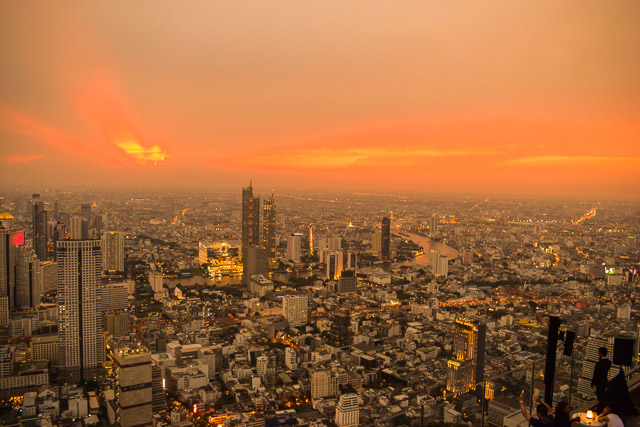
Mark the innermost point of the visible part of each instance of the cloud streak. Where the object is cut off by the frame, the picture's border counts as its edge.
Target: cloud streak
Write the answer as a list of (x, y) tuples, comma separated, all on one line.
[(22, 159)]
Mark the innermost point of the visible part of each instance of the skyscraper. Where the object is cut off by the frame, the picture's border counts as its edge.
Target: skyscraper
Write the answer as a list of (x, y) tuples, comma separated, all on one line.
[(376, 242), (79, 324), (340, 333), (113, 251), (467, 369), (250, 218), (440, 264), (433, 228), (294, 248), (269, 228), (385, 244), (335, 262), (250, 228), (28, 273), (39, 221), (10, 239)]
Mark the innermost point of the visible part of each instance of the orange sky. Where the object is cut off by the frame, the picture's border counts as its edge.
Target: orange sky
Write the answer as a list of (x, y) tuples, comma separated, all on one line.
[(532, 97)]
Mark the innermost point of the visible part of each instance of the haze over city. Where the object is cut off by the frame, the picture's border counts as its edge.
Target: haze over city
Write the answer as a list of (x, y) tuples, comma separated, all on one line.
[(529, 98), (320, 214)]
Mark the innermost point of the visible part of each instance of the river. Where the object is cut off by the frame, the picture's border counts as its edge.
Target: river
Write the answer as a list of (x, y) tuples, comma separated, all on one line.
[(228, 280), (429, 245)]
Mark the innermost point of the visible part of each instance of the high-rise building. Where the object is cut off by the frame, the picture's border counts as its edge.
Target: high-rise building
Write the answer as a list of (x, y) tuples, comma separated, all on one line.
[(133, 388), (347, 411), (250, 226), (340, 333), (28, 271), (113, 251), (295, 309), (351, 260), (10, 239), (250, 217), (158, 397), (269, 228), (262, 363), (385, 234), (589, 363), (335, 265), (39, 221), (79, 321), (467, 369), (78, 228), (376, 242), (294, 248), (433, 229), (440, 264)]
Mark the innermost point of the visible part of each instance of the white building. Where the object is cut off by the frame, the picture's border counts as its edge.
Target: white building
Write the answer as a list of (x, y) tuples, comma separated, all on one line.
[(376, 242), (113, 251), (290, 358), (262, 363), (155, 280), (347, 411), (295, 309), (294, 248), (440, 264), (79, 324)]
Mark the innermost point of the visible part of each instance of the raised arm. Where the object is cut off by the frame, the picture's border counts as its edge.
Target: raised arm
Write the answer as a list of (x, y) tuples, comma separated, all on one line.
[(522, 408)]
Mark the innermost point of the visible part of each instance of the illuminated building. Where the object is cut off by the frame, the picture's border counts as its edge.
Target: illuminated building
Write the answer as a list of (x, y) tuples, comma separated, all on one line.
[(440, 264), (385, 236), (79, 324), (467, 369), (250, 225), (335, 262), (158, 397), (113, 251), (133, 387), (269, 229), (222, 257), (347, 411), (294, 248), (295, 309), (39, 221)]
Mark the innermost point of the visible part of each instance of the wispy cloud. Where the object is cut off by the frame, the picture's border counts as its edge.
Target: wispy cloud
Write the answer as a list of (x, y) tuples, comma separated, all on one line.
[(21, 159), (340, 157), (583, 161), (143, 156)]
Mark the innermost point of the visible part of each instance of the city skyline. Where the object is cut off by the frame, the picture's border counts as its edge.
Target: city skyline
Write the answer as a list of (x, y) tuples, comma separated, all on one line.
[(543, 103)]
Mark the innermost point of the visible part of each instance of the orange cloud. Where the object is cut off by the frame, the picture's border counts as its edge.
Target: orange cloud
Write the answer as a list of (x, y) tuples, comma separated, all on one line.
[(342, 157), (632, 162), (143, 156), (20, 159)]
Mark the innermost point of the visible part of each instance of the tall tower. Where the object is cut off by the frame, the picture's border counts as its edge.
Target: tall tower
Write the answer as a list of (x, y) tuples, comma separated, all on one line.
[(294, 248), (28, 272), (269, 228), (113, 251), (79, 325), (10, 239), (250, 218), (385, 244), (467, 369), (39, 221), (250, 231), (335, 264)]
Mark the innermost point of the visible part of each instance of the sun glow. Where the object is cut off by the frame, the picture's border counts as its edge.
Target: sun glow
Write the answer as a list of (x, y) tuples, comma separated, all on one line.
[(143, 156)]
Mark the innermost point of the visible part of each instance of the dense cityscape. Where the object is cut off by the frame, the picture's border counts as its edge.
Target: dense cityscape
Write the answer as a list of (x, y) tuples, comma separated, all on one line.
[(251, 308)]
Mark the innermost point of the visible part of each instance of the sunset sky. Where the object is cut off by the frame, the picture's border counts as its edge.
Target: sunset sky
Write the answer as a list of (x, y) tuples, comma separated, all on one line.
[(538, 97)]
